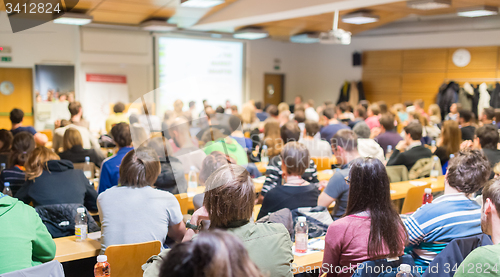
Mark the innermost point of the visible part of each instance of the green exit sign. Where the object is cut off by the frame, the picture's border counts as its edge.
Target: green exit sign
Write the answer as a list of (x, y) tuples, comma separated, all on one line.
[(6, 59)]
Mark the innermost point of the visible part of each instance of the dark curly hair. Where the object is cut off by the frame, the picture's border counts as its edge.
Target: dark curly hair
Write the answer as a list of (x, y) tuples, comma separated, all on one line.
[(468, 171)]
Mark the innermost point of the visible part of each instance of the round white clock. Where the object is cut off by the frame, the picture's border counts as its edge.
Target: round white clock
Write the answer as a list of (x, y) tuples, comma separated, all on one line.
[(461, 57), (6, 88)]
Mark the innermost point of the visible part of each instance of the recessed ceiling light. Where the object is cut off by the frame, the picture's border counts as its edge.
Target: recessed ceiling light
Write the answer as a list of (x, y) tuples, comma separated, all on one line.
[(158, 25), (305, 38), (478, 11), (359, 18), (251, 33), (74, 19), (201, 3), (428, 4)]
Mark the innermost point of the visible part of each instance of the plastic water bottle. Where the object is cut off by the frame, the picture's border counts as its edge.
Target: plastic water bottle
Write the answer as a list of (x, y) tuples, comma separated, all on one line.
[(192, 181), (2, 167), (101, 268), (435, 168), (81, 224), (404, 271), (301, 235), (388, 153), (427, 196), (452, 156), (87, 169), (6, 189), (264, 157)]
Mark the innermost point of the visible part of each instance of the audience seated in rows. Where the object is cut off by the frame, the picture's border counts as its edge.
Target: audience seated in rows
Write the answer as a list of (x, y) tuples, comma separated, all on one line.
[(116, 117), (73, 149), (189, 153), (6, 138), (367, 147), (135, 212), (213, 254), (371, 228), (274, 171), (110, 172), (295, 192), (171, 177), (315, 146), (16, 118), (453, 215), (328, 131), (24, 238), (22, 146), (387, 134), (466, 127), (449, 142), (410, 150), (345, 149), (486, 256), (373, 113)]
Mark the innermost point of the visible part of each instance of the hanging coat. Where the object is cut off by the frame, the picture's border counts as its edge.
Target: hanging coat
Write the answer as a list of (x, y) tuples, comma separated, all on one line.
[(344, 92), (475, 100), (484, 98), (495, 97), (448, 94), (466, 97), (353, 95), (361, 91)]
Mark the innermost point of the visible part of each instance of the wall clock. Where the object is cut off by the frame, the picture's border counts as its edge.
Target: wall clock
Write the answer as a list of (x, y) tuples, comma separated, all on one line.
[(6, 88), (461, 57)]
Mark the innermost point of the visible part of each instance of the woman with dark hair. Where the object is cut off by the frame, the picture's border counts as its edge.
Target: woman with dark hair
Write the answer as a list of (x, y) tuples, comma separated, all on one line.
[(5, 144), (371, 228), (73, 149), (135, 212), (212, 254), (22, 146)]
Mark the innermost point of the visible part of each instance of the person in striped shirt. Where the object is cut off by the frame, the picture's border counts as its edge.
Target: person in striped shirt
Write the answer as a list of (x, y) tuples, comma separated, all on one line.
[(453, 215)]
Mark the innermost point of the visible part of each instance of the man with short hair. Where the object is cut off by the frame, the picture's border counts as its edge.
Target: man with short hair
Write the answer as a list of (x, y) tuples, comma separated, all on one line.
[(110, 168), (310, 112), (488, 116), (272, 110), (116, 117), (16, 118), (453, 215), (333, 126), (489, 255), (359, 115), (76, 111), (300, 117), (297, 101), (261, 115), (487, 140), (367, 147), (465, 119), (289, 132), (388, 135), (345, 149), (316, 146), (410, 150)]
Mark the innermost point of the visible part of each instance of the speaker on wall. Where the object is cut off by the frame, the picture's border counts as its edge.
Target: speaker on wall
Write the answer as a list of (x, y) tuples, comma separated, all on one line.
[(356, 59)]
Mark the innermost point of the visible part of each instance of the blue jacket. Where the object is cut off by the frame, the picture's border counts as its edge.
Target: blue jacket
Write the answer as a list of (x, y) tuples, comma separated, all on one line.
[(110, 169)]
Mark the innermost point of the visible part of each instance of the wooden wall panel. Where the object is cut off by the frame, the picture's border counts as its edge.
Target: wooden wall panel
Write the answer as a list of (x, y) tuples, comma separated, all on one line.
[(425, 60), (383, 61), (382, 87), (482, 58)]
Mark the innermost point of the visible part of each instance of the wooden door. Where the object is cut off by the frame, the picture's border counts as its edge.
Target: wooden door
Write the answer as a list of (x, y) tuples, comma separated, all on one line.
[(21, 97), (274, 86)]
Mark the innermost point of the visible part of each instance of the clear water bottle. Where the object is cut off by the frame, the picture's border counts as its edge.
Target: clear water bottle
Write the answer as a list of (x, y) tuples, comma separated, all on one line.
[(404, 271), (452, 156), (433, 146), (388, 153), (427, 196), (435, 168), (2, 167), (101, 268), (6, 189), (81, 224), (263, 156), (87, 169), (192, 181), (301, 235)]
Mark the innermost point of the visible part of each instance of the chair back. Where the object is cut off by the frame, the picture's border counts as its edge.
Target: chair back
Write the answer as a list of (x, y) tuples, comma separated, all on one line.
[(183, 202), (422, 168), (397, 173), (81, 165), (385, 267), (126, 260), (413, 199), (322, 163), (50, 269)]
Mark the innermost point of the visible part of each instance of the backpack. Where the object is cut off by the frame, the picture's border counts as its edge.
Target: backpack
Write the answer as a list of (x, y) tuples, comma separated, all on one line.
[(318, 220), (283, 216)]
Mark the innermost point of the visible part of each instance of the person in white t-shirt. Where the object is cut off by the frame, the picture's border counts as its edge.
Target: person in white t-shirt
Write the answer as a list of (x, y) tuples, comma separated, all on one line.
[(316, 147)]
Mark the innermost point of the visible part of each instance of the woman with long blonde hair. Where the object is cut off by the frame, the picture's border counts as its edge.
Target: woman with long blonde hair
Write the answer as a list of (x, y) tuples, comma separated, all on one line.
[(272, 138), (449, 142), (249, 120), (73, 149)]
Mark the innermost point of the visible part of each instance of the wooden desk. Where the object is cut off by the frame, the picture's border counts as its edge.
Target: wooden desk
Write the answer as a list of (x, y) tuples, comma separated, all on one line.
[(400, 189), (307, 262), (67, 249)]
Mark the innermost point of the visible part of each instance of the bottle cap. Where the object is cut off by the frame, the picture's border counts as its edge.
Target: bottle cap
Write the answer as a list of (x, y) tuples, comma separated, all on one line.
[(264, 146), (2, 164), (87, 159), (428, 190), (452, 156), (193, 168), (302, 219), (7, 184), (102, 258), (80, 210), (405, 268), (436, 158), (389, 147), (433, 142)]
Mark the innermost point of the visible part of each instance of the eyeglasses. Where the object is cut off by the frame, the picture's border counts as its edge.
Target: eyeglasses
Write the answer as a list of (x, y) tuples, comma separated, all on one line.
[(347, 180)]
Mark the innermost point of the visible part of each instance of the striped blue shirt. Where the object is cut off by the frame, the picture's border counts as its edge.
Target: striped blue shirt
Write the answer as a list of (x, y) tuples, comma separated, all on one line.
[(433, 225)]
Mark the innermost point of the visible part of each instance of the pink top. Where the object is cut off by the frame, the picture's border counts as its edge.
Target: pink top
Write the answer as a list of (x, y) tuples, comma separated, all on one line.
[(347, 246), (372, 121)]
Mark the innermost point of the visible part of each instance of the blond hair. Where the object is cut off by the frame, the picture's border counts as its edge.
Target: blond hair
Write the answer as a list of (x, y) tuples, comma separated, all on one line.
[(37, 161), (71, 138), (283, 107), (248, 115), (272, 137)]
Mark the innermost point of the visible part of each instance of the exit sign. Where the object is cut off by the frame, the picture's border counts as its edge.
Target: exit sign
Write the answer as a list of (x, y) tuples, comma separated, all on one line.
[(6, 59)]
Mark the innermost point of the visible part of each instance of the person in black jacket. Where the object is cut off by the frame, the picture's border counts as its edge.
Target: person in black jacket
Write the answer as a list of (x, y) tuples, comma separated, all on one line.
[(53, 181), (22, 146), (410, 150), (73, 149)]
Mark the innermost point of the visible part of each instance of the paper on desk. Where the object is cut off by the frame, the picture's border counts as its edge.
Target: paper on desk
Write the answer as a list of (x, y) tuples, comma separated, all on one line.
[(260, 180), (94, 236), (314, 245), (393, 191), (418, 183), (191, 194), (328, 171)]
